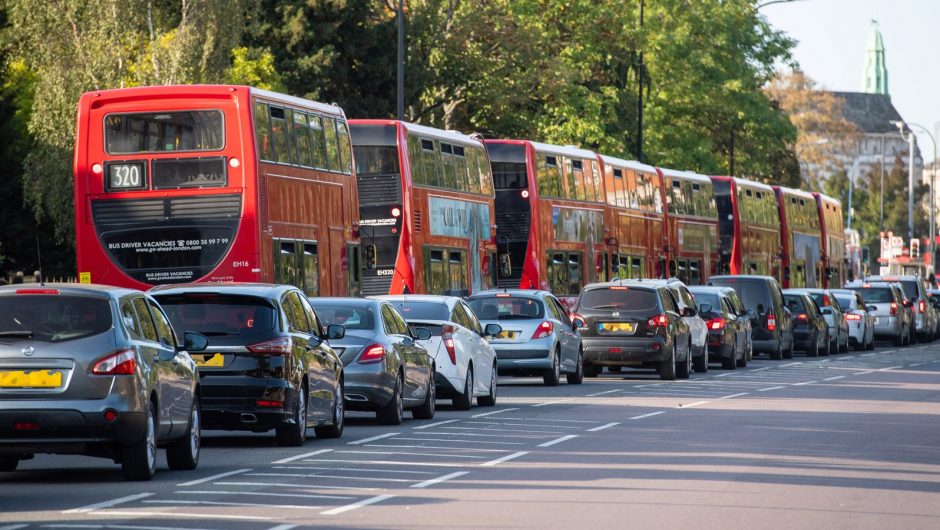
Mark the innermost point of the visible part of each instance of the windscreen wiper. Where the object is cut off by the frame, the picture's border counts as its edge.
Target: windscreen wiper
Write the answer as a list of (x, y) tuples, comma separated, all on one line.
[(25, 334)]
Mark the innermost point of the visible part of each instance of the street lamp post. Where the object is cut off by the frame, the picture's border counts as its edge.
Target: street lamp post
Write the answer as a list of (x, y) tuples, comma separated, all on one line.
[(911, 140), (932, 208)]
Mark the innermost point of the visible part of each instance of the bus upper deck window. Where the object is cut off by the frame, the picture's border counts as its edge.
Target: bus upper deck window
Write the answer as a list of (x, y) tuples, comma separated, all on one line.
[(157, 132)]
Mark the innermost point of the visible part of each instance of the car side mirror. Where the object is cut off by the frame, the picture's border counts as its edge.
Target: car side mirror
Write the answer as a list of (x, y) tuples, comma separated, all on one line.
[(193, 342), (871, 308), (705, 308), (422, 333), (827, 311), (491, 330), (576, 323), (335, 331), (689, 312)]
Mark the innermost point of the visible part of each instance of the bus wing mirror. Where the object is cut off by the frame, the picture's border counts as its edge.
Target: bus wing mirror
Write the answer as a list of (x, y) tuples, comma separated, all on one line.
[(370, 257)]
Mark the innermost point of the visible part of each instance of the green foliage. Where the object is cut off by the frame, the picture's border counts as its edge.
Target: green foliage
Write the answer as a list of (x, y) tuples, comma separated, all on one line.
[(255, 68)]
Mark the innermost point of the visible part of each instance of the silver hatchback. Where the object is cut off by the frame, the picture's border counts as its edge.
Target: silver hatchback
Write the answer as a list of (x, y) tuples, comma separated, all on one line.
[(99, 371)]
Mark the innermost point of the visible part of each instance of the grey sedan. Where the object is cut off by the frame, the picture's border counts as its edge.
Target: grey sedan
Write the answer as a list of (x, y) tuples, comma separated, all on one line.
[(386, 370), (98, 371), (537, 337)]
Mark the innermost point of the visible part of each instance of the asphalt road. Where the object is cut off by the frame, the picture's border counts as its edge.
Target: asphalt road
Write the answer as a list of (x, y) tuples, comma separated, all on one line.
[(851, 441)]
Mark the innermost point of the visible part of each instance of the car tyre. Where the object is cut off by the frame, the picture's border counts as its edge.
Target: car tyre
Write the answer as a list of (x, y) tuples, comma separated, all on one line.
[(844, 348), (592, 370), (742, 362), (294, 434), (183, 453), (777, 355), (788, 354), (8, 463), (813, 351), (335, 430), (667, 368), (871, 343), (426, 410), (729, 364), (139, 461), (394, 410), (577, 377), (700, 363), (684, 370), (553, 376), (489, 400), (465, 400)]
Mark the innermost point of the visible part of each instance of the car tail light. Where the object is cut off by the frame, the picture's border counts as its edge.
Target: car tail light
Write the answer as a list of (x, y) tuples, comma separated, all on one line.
[(372, 354), (716, 324), (268, 403), (771, 322), (659, 321), (544, 330), (894, 308), (853, 316), (26, 426), (826, 302), (448, 338), (278, 346), (37, 291), (802, 317), (922, 306), (123, 362)]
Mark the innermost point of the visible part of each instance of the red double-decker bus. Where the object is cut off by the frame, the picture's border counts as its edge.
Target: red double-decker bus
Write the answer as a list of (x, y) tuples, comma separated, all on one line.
[(748, 227), (214, 183), (634, 216), (800, 239), (833, 236), (692, 221), (549, 216), (425, 208)]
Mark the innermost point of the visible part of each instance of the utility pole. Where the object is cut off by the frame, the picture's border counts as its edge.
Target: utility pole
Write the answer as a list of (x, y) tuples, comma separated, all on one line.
[(401, 62), (639, 95)]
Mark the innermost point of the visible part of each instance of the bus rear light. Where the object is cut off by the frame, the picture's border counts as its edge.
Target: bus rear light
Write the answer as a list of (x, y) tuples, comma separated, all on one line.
[(234, 162), (123, 362), (659, 321), (525, 194), (716, 324), (448, 339), (96, 169), (279, 346), (396, 212), (894, 308), (544, 330), (771, 322), (372, 354), (853, 316)]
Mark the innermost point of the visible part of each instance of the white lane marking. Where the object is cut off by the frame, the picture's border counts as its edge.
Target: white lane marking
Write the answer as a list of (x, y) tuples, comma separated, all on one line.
[(605, 426), (889, 368), (866, 372), (500, 429), (918, 364), (435, 424), (283, 527), (264, 493), (316, 487), (475, 449), (114, 526), (547, 403), (246, 504), (391, 463), (697, 403), (455, 440), (405, 453), (357, 504), (544, 419), (602, 393), (641, 416), (214, 477), (108, 504), (739, 394), (770, 388), (461, 433), (723, 375), (558, 440), (185, 515), (494, 412), (438, 480), (13, 526), (804, 383), (312, 475), (834, 378), (502, 459), (760, 369), (501, 424), (353, 469), (293, 458), (373, 438), (791, 364), (876, 353)]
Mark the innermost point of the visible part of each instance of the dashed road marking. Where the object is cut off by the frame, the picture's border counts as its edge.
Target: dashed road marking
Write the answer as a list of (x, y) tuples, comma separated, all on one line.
[(804, 383), (641, 416), (739, 394), (889, 368), (564, 438), (770, 388), (108, 504), (374, 438), (435, 424), (791, 364), (494, 412), (289, 459), (502, 459), (834, 378), (438, 480), (357, 504), (187, 515), (605, 426), (602, 393), (697, 403), (546, 403)]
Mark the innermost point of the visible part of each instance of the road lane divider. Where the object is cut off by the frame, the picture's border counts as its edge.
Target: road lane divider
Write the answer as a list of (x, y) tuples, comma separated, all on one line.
[(835, 378), (374, 438), (651, 414), (770, 388), (485, 414), (605, 426), (732, 396), (357, 504), (502, 459), (438, 480), (435, 424), (602, 393), (690, 405), (108, 504), (545, 404), (804, 383), (297, 457), (564, 438)]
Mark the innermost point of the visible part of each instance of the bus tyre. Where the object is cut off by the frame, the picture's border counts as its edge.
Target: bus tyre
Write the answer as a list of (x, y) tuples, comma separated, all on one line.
[(667, 368), (553, 376), (578, 376), (465, 400)]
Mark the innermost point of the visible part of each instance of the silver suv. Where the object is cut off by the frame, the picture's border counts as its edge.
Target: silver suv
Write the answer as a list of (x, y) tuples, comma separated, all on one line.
[(99, 371), (916, 292), (891, 309)]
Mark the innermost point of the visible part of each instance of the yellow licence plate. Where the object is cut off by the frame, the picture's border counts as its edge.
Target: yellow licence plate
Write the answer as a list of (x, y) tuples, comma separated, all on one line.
[(504, 334), (211, 360), (617, 327), (31, 379)]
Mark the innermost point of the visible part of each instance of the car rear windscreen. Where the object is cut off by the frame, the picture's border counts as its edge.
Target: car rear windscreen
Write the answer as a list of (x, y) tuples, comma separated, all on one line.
[(507, 308), (422, 310), (710, 299), (876, 295), (910, 289), (53, 317), (795, 303), (626, 299), (754, 293), (219, 315), (844, 301), (351, 317)]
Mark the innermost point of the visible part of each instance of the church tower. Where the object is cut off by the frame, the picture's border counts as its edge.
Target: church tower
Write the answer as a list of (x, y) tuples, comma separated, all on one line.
[(876, 72)]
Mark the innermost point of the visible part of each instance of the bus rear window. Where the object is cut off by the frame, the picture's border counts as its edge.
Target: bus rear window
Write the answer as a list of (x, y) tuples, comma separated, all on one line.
[(158, 132)]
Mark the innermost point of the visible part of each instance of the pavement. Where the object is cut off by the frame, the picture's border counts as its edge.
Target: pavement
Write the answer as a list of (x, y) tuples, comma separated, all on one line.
[(849, 441)]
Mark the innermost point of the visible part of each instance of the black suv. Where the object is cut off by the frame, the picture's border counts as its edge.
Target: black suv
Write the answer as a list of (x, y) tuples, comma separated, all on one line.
[(268, 364), (771, 322), (633, 325)]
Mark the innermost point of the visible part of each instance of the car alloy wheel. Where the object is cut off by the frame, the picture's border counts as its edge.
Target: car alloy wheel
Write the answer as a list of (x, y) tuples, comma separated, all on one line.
[(490, 399)]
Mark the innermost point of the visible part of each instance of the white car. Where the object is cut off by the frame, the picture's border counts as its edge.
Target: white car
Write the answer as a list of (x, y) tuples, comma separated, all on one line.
[(861, 321), (464, 361)]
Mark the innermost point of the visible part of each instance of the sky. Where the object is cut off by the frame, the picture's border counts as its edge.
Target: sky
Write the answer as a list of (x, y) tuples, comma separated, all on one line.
[(832, 36)]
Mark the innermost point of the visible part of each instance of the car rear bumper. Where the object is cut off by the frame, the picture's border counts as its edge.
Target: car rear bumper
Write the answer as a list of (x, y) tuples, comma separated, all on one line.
[(524, 357), (368, 390), (766, 345), (624, 350), (804, 339), (66, 430), (888, 326), (232, 403)]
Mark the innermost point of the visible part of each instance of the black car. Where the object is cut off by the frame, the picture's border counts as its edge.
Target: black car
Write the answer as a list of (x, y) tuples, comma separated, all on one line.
[(385, 369), (633, 325), (771, 323), (810, 330), (268, 364), (728, 325)]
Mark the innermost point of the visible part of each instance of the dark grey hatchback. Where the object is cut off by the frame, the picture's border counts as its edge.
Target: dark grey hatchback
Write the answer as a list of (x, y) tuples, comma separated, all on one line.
[(268, 364), (633, 325), (95, 370)]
